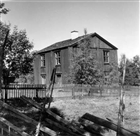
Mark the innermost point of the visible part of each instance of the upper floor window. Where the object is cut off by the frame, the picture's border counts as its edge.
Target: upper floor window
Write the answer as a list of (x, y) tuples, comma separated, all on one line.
[(57, 58), (106, 56), (43, 60)]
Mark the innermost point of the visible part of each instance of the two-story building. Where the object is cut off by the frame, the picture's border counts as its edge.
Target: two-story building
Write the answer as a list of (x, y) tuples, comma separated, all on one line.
[(59, 55)]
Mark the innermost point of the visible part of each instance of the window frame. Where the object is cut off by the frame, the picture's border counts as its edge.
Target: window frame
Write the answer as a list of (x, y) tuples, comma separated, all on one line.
[(57, 58), (106, 56), (43, 63)]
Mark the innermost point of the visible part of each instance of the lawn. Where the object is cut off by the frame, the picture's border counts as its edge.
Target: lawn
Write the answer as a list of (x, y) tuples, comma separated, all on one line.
[(103, 107)]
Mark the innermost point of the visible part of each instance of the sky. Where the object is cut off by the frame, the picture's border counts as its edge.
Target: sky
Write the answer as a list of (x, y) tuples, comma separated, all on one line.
[(47, 22)]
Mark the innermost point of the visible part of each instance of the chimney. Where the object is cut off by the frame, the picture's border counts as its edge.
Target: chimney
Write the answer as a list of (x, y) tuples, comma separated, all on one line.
[(74, 34)]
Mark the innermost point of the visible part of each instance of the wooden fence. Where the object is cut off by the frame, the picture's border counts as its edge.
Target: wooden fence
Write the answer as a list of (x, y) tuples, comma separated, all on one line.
[(28, 90), (54, 124), (87, 91), (8, 129), (72, 91)]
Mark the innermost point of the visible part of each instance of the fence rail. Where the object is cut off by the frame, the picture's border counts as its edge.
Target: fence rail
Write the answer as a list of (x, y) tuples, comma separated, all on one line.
[(8, 129)]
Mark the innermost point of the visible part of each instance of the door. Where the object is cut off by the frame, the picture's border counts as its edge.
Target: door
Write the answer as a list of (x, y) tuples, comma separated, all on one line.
[(59, 79)]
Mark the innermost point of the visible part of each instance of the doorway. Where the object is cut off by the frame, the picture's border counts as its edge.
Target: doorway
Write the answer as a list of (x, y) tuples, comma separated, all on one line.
[(59, 79)]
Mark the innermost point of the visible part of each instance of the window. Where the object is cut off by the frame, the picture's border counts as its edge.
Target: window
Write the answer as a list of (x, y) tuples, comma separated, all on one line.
[(106, 56), (43, 60), (43, 80), (58, 79), (57, 58)]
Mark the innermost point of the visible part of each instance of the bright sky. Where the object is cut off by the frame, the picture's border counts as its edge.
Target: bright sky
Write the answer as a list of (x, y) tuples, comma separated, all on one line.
[(47, 22)]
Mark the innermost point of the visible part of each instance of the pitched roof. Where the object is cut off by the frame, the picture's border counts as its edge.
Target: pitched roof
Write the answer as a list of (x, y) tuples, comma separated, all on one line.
[(70, 42)]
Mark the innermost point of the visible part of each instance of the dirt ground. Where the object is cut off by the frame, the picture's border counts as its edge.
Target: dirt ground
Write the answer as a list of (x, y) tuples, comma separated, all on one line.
[(103, 107)]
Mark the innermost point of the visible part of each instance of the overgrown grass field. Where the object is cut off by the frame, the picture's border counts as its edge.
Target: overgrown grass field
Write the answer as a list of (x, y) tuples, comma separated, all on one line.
[(103, 107)]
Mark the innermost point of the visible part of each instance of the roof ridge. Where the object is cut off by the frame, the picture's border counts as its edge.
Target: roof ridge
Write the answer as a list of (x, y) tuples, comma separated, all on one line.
[(70, 42)]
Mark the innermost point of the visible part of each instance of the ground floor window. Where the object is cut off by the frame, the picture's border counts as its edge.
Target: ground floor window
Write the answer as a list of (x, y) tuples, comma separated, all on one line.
[(58, 79), (43, 79)]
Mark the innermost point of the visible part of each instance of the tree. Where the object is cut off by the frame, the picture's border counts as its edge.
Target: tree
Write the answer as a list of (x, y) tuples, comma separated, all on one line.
[(17, 57), (136, 70), (112, 75), (132, 76), (84, 67), (3, 10), (25, 79), (28, 78), (3, 27)]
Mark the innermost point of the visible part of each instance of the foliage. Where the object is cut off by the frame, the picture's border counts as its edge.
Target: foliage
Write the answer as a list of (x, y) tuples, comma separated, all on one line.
[(28, 79), (132, 76), (84, 67), (112, 75), (3, 10), (17, 57)]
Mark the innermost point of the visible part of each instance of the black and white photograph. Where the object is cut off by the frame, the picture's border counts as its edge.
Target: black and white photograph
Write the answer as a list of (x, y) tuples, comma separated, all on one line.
[(69, 68)]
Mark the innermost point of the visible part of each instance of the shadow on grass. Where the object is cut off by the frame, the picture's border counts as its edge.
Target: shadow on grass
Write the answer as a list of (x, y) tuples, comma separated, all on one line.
[(19, 104)]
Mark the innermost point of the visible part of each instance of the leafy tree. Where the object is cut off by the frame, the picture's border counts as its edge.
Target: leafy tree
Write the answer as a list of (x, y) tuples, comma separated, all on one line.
[(113, 75), (3, 27), (84, 68), (136, 62), (28, 79), (3, 10), (132, 76), (17, 57), (133, 69)]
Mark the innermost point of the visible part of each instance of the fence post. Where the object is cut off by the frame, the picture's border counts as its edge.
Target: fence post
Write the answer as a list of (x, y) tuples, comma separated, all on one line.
[(9, 130), (37, 93), (121, 104), (73, 95), (1, 72), (101, 89), (2, 131), (5, 93), (81, 89)]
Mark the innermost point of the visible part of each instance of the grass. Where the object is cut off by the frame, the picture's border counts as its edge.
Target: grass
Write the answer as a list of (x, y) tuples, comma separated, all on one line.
[(103, 107)]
